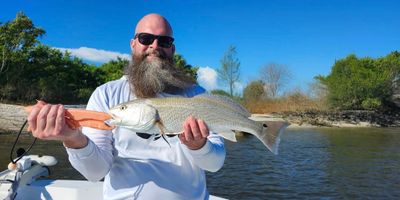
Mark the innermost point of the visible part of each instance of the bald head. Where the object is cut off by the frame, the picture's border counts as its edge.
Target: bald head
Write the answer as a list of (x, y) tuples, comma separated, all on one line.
[(155, 24)]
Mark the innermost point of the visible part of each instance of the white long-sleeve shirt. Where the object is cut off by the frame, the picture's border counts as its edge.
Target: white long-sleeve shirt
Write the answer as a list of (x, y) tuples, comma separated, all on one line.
[(138, 168)]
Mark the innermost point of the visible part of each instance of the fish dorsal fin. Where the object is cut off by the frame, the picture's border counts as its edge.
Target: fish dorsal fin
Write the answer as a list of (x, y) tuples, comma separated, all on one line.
[(225, 102)]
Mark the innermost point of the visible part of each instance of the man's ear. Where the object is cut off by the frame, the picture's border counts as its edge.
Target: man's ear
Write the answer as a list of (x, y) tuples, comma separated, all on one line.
[(132, 44)]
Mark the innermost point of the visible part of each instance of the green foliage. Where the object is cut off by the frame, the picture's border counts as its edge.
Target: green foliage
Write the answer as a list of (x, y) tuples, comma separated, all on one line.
[(30, 70), (220, 92), (84, 94), (49, 75), (371, 104), (364, 83), (236, 98), (17, 38), (113, 70), (186, 68), (254, 91)]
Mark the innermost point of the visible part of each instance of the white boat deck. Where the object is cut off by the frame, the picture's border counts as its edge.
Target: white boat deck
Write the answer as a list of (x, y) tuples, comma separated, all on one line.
[(25, 184)]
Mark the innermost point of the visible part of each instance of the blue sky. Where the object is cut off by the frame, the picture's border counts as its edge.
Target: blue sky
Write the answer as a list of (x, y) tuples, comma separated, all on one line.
[(306, 35)]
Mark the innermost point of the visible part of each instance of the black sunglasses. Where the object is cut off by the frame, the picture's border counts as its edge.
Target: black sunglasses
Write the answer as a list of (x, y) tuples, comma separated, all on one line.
[(147, 39)]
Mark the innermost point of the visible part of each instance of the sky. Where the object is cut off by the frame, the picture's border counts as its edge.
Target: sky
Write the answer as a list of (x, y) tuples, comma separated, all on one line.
[(307, 36)]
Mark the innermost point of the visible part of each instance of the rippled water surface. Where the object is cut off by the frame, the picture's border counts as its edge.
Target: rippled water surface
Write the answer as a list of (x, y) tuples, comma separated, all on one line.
[(326, 163), (313, 163)]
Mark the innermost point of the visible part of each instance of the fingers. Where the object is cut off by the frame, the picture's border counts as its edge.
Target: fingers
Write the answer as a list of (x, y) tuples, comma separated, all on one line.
[(195, 133), (193, 129), (188, 128), (33, 112), (41, 119), (46, 121), (60, 119), (32, 118), (40, 103), (51, 117), (203, 128)]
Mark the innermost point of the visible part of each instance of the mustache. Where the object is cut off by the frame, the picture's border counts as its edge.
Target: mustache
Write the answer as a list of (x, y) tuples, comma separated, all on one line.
[(155, 52)]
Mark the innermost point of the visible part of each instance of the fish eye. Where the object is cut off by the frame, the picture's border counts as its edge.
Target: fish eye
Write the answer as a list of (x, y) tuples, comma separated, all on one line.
[(123, 107)]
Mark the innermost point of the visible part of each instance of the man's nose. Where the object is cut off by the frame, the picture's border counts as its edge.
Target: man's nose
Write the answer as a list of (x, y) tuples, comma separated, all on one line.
[(154, 45)]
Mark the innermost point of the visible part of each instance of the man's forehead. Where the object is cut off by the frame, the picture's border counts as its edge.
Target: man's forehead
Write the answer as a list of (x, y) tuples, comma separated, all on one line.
[(154, 24)]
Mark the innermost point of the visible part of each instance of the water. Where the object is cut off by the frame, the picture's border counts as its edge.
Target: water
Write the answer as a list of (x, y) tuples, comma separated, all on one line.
[(314, 163), (325, 163)]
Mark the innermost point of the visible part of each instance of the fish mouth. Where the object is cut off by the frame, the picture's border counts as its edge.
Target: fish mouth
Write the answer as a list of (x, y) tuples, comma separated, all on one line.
[(114, 120)]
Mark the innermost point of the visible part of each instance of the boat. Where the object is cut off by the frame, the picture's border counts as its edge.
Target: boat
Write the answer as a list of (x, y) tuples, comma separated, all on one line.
[(27, 180)]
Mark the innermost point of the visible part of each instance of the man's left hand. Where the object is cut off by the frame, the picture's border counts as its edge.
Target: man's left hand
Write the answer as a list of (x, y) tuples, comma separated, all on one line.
[(195, 133)]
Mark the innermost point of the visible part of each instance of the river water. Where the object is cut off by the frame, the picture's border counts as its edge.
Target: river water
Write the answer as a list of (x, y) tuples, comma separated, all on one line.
[(323, 163)]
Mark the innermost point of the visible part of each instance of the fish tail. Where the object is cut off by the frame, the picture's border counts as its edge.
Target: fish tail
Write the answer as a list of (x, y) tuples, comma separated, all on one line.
[(271, 133)]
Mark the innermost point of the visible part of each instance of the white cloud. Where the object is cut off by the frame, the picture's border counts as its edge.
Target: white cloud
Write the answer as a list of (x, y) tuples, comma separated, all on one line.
[(207, 77), (95, 55), (238, 87)]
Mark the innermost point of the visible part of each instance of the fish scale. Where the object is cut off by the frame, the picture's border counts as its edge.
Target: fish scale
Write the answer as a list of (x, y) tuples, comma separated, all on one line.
[(211, 115)]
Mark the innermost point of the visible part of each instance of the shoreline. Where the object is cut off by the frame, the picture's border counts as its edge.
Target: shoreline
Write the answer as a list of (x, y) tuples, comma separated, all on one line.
[(335, 119), (302, 124), (13, 116)]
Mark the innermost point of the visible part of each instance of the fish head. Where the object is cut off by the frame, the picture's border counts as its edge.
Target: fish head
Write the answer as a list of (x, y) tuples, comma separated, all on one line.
[(137, 116)]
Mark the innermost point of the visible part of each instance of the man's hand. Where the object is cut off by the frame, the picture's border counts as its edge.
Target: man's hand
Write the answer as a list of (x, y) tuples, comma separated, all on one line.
[(47, 122), (195, 133)]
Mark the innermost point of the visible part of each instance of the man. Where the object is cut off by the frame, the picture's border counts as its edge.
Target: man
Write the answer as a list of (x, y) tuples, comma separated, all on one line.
[(135, 165)]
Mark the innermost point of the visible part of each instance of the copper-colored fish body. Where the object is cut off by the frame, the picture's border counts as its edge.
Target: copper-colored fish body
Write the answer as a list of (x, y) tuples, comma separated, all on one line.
[(76, 118)]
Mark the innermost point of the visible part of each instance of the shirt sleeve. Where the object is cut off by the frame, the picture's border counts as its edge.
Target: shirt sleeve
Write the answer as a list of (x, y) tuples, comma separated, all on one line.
[(211, 156), (94, 161)]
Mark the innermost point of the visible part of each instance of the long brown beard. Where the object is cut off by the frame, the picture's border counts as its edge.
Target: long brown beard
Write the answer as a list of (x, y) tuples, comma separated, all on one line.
[(147, 78)]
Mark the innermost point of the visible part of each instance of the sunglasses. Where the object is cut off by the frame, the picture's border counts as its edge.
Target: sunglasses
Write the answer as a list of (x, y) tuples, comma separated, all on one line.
[(147, 39)]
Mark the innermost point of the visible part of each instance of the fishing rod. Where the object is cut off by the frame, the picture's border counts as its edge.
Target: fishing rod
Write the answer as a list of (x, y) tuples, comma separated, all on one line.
[(21, 152)]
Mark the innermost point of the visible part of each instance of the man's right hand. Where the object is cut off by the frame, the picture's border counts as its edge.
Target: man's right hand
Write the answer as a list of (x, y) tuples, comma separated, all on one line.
[(47, 122)]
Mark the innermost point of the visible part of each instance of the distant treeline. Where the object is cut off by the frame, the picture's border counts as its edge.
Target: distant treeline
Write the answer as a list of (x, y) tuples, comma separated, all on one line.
[(30, 70), (363, 83), (353, 84)]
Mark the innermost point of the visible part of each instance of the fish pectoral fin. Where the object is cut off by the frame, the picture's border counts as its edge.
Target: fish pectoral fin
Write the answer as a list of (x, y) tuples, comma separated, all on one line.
[(163, 131), (161, 126), (229, 135)]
